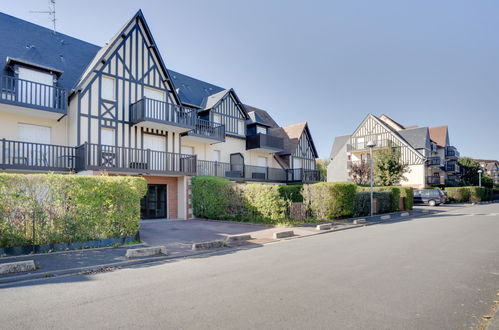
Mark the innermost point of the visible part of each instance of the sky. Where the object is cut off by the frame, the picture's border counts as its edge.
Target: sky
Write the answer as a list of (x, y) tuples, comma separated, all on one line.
[(330, 63)]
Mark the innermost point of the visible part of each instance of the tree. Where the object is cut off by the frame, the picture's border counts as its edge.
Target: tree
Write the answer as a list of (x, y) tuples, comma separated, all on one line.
[(360, 172), (388, 167), (322, 167), (469, 171)]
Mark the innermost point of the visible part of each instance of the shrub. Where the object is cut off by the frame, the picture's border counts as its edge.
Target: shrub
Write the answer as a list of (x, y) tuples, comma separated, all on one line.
[(395, 194), (363, 202), (292, 193), (219, 199), (329, 200), (67, 208), (468, 194)]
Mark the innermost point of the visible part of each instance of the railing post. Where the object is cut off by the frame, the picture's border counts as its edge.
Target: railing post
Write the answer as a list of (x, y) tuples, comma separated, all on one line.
[(148, 153), (4, 148)]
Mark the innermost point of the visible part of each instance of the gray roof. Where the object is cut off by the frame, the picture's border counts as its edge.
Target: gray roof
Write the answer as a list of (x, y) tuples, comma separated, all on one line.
[(260, 116), (210, 101), (30, 43), (338, 143), (418, 137), (191, 90)]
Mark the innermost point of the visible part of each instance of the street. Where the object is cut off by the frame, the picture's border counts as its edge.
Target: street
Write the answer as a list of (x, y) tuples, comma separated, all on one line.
[(434, 272)]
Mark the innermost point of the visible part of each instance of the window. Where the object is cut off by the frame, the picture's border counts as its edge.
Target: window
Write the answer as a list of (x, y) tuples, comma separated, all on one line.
[(186, 150), (154, 142), (154, 94), (107, 88), (240, 127), (31, 87), (217, 157), (107, 137), (217, 118), (261, 129), (360, 143), (34, 133)]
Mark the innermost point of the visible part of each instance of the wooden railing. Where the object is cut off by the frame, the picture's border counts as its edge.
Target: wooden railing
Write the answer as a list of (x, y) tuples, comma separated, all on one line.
[(36, 156), (256, 173), (358, 146), (163, 112), (123, 159), (435, 161), (208, 129), (33, 94)]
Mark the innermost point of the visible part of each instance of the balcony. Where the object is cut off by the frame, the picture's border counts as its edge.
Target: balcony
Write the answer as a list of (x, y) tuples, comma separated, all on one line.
[(435, 161), (451, 152), (162, 115), (17, 155), (205, 132), (32, 98), (433, 180), (451, 167), (265, 143), (362, 146), (256, 173), (131, 160)]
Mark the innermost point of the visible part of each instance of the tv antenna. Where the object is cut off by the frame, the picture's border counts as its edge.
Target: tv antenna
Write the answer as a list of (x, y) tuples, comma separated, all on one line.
[(50, 11)]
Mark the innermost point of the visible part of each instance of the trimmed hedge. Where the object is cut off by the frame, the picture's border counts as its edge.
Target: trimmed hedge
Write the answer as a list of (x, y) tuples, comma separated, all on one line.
[(363, 202), (395, 194), (56, 208), (330, 200), (220, 199), (294, 193), (468, 194)]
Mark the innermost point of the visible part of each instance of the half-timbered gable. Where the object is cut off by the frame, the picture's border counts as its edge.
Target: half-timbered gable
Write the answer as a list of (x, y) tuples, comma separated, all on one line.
[(127, 70), (305, 153), (225, 108), (372, 129)]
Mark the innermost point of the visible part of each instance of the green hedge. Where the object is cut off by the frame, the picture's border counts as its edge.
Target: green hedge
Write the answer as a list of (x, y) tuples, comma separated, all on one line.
[(219, 199), (468, 194), (67, 208), (330, 200), (395, 194), (363, 202), (293, 193)]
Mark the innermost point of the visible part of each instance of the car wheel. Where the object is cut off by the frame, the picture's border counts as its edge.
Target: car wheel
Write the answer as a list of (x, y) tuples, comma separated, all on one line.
[(432, 203)]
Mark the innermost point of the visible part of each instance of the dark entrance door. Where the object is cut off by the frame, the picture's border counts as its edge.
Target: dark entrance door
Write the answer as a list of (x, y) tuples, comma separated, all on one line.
[(153, 205)]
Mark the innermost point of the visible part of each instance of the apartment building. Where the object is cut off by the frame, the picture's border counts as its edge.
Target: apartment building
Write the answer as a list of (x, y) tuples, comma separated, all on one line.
[(491, 168), (432, 161), (72, 107)]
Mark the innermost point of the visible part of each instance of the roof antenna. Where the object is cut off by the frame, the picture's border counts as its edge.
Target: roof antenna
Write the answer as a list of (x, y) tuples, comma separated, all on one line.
[(51, 13)]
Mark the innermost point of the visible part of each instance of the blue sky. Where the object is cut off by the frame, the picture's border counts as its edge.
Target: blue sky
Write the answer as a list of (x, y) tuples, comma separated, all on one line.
[(330, 63)]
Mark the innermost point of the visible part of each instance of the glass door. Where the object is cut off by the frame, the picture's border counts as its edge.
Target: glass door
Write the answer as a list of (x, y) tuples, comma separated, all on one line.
[(153, 205)]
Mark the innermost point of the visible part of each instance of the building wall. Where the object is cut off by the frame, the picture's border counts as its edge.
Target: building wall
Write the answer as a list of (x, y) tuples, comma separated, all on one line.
[(415, 177), (337, 170), (9, 126)]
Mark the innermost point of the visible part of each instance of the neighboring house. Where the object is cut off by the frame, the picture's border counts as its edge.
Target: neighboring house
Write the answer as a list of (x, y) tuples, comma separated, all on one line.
[(70, 106), (491, 168), (427, 151)]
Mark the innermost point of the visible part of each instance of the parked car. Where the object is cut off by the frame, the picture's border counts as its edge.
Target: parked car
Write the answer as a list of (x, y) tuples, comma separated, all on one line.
[(430, 197)]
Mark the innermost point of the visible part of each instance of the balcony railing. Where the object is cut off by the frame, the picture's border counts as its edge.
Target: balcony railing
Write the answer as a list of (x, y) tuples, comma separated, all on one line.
[(162, 112), (33, 94), (435, 161), (358, 146), (123, 159), (451, 151), (256, 173), (264, 141), (208, 129), (434, 180), (451, 167), (19, 155)]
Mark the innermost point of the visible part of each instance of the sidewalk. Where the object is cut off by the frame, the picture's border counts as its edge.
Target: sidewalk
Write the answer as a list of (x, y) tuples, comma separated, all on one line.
[(178, 246)]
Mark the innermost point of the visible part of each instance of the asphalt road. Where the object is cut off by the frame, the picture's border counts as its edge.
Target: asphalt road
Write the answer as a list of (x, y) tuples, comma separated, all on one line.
[(437, 272)]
